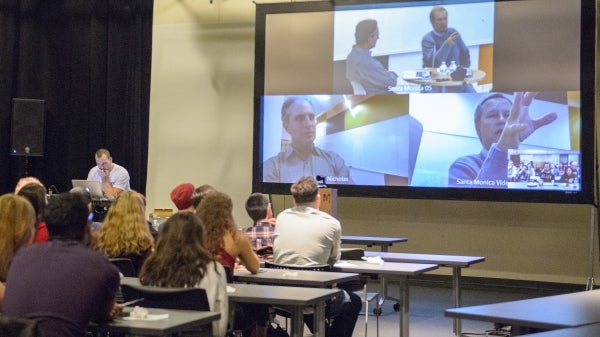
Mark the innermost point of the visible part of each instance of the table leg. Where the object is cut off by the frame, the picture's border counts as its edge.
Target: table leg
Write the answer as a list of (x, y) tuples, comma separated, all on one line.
[(384, 247), (404, 306), (319, 320), (456, 294), (298, 322)]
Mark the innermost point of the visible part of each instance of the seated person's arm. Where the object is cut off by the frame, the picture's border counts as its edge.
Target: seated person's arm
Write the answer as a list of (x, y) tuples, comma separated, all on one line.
[(247, 255), (108, 308)]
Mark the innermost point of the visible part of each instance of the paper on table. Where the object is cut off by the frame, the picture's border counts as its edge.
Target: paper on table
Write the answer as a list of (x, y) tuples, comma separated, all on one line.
[(373, 259), (344, 264), (230, 289), (149, 317)]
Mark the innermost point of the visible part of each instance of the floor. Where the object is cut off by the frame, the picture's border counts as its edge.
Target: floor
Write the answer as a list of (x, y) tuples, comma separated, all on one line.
[(427, 305)]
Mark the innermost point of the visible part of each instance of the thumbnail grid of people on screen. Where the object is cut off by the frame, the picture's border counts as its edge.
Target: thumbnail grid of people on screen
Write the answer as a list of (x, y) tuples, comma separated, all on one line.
[(520, 140)]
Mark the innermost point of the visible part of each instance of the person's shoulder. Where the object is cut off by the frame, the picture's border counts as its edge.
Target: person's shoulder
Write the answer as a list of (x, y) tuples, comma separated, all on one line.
[(120, 168), (327, 153), (239, 236)]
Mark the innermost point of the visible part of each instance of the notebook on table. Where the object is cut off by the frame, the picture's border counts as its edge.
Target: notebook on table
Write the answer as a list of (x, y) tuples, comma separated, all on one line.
[(93, 187)]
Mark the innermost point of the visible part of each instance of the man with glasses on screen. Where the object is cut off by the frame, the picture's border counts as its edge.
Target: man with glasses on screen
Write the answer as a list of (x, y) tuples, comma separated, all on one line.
[(501, 125), (302, 158)]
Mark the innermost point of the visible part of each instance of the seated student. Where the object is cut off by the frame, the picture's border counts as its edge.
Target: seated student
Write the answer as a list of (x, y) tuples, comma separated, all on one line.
[(125, 232), (17, 221), (182, 260), (306, 236), (36, 195), (223, 238), (569, 177), (258, 208), (227, 243), (546, 174), (199, 193), (62, 284)]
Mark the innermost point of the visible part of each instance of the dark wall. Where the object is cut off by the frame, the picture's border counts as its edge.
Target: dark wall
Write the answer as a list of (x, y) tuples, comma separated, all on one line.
[(90, 61)]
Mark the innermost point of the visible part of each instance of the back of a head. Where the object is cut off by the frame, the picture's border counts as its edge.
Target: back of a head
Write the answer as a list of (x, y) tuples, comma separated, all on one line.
[(305, 190), (200, 192), (215, 205), (364, 29), (180, 257), (82, 193), (180, 229), (181, 196), (66, 217), (256, 206), (215, 214), (36, 195), (26, 180)]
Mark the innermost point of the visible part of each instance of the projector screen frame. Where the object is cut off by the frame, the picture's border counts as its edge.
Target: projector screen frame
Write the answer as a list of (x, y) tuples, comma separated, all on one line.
[(586, 195)]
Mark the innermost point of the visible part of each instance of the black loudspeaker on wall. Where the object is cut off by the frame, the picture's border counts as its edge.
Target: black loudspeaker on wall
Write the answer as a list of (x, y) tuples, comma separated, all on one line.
[(28, 127)]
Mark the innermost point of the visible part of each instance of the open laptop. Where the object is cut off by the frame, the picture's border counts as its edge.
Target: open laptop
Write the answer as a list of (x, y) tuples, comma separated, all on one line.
[(92, 186)]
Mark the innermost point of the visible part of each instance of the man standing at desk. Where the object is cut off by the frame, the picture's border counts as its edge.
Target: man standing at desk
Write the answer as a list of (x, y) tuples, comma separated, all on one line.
[(305, 236), (362, 68), (113, 178), (302, 158), (501, 125), (444, 44)]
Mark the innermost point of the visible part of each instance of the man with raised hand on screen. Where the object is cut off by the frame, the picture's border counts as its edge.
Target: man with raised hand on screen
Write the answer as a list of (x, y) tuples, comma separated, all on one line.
[(501, 125), (302, 158), (362, 68), (444, 44)]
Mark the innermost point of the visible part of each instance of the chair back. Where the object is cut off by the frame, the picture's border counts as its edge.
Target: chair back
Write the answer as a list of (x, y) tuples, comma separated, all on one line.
[(318, 267), (228, 274), (19, 327), (167, 298), (125, 266)]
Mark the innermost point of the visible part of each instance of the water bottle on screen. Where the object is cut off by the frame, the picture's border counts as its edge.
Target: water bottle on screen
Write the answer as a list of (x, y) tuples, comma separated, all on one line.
[(452, 67), (443, 68), (426, 75)]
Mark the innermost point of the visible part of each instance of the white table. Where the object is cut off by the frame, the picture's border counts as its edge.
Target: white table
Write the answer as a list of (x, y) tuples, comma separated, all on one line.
[(546, 313), (456, 262), (295, 299), (400, 271)]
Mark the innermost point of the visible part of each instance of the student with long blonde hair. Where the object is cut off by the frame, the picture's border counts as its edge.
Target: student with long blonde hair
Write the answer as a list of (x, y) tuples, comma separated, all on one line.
[(124, 232)]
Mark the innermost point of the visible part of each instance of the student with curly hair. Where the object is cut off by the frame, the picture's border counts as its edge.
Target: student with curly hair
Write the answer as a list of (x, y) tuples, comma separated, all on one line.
[(228, 243), (223, 238), (182, 260), (125, 232)]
